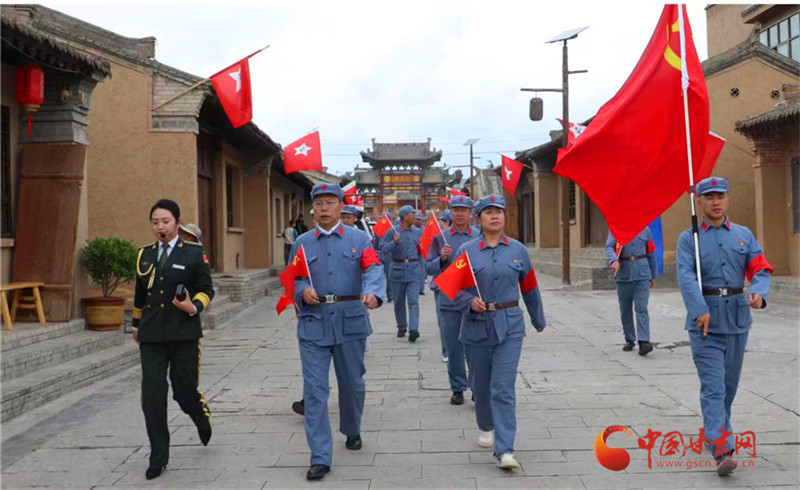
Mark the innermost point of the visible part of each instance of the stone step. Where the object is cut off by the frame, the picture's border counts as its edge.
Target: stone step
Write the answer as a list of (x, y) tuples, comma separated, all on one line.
[(35, 389), (220, 314), (41, 355), (31, 333)]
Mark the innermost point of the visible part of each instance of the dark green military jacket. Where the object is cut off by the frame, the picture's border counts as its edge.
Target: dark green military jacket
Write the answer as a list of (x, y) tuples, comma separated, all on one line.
[(154, 314)]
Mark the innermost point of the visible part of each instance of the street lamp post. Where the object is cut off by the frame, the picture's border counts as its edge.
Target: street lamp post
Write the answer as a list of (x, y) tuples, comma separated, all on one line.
[(564, 182), (470, 142)]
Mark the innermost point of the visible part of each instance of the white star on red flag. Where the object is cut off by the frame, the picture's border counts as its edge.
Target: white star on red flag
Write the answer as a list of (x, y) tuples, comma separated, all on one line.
[(302, 150)]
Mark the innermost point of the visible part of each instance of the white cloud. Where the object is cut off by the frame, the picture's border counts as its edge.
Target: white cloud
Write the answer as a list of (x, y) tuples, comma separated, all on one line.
[(402, 71)]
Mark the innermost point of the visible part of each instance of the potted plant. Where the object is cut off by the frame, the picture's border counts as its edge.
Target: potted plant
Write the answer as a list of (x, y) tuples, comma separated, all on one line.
[(109, 263)]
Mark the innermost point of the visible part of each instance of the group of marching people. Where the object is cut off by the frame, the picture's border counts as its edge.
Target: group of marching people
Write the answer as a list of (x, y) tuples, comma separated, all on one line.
[(480, 278)]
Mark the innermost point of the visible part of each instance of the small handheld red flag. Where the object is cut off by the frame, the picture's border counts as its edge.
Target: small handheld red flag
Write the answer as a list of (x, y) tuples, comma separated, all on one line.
[(382, 226), (431, 231), (298, 267), (283, 303), (512, 171), (303, 154), (232, 86), (456, 277)]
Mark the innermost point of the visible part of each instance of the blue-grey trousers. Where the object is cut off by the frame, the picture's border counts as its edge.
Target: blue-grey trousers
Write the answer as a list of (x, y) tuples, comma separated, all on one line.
[(633, 297), (348, 362)]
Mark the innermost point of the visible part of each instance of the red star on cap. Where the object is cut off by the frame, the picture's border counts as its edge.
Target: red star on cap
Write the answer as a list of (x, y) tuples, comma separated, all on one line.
[(714, 182), (491, 198), (324, 186), (460, 199)]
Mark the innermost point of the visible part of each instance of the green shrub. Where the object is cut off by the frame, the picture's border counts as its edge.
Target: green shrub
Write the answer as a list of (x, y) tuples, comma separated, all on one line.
[(109, 262)]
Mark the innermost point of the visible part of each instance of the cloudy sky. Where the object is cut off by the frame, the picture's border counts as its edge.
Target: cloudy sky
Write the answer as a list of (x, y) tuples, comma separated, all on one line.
[(403, 70)]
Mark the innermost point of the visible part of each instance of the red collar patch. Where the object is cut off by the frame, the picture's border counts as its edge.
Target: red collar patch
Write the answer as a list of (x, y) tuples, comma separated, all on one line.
[(481, 244), (316, 233), (704, 225), (505, 239), (341, 230), (469, 231)]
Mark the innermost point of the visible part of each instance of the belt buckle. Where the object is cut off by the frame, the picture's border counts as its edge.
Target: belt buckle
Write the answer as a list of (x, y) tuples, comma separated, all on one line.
[(724, 292), (330, 298), (491, 306)]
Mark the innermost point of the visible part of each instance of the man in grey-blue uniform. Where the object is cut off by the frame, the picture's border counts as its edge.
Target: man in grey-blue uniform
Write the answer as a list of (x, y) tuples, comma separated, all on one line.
[(440, 257), (403, 246), (635, 272), (718, 315), (386, 261), (333, 322)]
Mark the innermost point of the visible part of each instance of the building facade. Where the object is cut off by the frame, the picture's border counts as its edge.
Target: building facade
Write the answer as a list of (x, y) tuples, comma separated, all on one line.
[(750, 74), (401, 174)]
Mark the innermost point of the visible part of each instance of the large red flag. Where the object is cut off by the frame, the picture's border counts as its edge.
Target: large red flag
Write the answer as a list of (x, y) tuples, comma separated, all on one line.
[(298, 267), (511, 171), (303, 154), (631, 160), (431, 231), (383, 225), (456, 192), (714, 144), (457, 277), (232, 86)]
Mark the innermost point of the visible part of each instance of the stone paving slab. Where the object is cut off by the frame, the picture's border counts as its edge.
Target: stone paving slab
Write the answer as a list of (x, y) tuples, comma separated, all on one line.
[(574, 380)]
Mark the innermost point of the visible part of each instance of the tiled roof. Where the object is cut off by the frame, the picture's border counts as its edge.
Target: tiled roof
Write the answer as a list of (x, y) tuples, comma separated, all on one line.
[(35, 35), (783, 112)]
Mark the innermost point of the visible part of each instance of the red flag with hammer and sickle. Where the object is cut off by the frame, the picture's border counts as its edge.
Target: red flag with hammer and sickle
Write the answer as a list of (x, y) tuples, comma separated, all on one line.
[(298, 267), (632, 159), (457, 277)]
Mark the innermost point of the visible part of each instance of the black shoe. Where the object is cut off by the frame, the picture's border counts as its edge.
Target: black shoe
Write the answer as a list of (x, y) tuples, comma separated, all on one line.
[(317, 471), (401, 333), (645, 348), (628, 346), (204, 431), (299, 407), (413, 336), (154, 471), (473, 397), (457, 398), (353, 443)]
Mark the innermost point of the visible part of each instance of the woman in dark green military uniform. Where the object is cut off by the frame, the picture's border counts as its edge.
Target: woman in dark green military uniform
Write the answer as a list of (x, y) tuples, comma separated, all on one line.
[(169, 330)]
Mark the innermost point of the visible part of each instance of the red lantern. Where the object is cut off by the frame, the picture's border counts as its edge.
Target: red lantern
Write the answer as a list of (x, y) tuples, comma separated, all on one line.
[(29, 87)]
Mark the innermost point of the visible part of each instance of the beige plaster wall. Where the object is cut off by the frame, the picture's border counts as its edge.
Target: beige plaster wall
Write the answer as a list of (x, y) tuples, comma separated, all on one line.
[(130, 166), (725, 28)]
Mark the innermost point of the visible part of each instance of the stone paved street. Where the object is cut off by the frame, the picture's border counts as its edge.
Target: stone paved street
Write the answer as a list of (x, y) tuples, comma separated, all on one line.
[(574, 380)]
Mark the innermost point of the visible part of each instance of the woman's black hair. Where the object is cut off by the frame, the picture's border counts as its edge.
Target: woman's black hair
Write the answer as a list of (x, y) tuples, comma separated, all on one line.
[(169, 205)]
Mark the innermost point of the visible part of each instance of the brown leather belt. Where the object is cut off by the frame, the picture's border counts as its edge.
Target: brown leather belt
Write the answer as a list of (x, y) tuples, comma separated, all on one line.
[(405, 261), (634, 257), (332, 298), (724, 292), (501, 306)]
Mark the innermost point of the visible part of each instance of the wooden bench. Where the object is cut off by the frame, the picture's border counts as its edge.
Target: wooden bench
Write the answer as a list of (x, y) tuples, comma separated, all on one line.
[(19, 301)]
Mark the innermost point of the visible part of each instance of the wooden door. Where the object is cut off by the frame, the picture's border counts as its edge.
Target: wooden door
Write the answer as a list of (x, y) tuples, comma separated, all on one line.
[(205, 191), (597, 231), (51, 178)]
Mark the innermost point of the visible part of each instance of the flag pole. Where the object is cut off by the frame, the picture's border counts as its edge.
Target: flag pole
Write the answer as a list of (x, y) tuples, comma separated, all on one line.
[(441, 231), (310, 281), (469, 263), (684, 89), (201, 82)]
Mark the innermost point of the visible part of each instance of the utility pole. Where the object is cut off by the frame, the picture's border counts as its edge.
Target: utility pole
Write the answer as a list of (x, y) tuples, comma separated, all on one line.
[(563, 181), (470, 142)]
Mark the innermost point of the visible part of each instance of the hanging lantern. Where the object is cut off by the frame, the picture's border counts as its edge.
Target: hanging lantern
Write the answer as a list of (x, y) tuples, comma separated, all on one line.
[(29, 90), (29, 87)]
